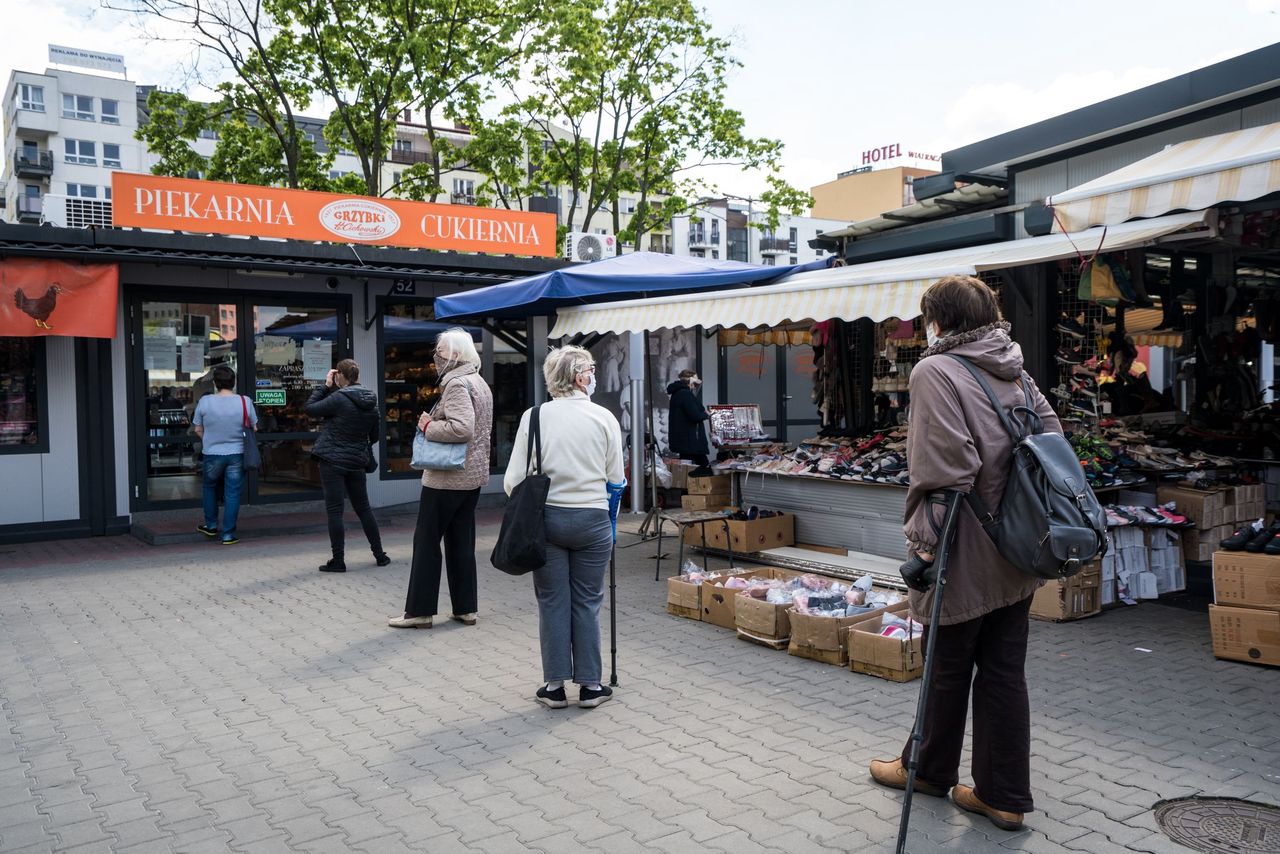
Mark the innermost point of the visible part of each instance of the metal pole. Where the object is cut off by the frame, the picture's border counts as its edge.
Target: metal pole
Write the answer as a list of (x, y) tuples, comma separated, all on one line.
[(952, 503)]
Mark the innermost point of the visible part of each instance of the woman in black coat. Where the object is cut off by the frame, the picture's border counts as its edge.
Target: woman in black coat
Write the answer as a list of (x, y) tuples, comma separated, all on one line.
[(350, 413), (685, 434)]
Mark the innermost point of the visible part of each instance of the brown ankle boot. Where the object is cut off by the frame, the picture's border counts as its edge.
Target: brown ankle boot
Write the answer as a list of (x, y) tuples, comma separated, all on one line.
[(967, 800), (893, 773)]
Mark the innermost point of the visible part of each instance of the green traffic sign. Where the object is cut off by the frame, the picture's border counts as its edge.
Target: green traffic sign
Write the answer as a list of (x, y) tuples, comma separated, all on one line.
[(269, 397)]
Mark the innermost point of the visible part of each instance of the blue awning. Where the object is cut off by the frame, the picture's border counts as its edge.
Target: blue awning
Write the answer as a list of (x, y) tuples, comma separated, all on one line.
[(632, 276)]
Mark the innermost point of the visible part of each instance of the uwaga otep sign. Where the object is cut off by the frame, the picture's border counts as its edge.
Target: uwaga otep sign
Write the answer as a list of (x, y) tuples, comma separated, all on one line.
[(211, 207)]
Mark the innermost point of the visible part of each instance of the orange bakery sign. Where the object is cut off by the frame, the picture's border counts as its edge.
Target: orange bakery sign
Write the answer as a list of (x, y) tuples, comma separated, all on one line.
[(212, 207)]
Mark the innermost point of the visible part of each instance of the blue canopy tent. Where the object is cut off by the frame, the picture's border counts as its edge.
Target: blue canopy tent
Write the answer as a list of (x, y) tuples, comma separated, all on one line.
[(633, 276)]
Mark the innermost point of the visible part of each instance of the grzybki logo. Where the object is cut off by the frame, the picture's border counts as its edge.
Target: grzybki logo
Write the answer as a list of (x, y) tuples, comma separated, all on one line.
[(358, 219)]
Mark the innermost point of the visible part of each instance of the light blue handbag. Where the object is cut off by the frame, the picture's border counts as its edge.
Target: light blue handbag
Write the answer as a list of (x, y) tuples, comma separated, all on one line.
[(439, 456)]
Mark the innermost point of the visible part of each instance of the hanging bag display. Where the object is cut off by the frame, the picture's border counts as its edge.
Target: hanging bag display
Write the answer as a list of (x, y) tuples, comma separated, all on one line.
[(1098, 284), (439, 456), (522, 541), (252, 457)]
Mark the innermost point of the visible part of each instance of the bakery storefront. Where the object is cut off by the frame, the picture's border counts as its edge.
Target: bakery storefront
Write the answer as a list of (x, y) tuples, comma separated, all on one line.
[(108, 337)]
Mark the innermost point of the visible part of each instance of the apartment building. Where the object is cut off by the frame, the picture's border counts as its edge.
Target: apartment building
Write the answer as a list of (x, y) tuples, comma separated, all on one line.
[(733, 229), (883, 181), (64, 133)]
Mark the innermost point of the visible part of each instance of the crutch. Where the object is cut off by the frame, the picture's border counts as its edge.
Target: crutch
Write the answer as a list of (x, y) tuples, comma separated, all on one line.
[(950, 500), (614, 491)]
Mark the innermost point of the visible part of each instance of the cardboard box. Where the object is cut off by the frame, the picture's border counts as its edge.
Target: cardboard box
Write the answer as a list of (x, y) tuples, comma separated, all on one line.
[(762, 534), (679, 473), (764, 622), (825, 639), (714, 501), (1070, 599), (1205, 507), (895, 659), (715, 534), (683, 598), (1200, 545), (719, 483), (1245, 634), (719, 606), (1243, 579)]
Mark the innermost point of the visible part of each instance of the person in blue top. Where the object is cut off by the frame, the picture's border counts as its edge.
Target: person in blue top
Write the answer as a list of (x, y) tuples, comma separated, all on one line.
[(219, 422)]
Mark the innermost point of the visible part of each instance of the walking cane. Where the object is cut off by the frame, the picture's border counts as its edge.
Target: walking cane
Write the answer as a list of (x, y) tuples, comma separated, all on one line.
[(950, 499)]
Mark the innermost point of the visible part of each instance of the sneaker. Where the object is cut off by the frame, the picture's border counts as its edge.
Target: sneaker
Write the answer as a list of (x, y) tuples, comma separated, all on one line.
[(967, 800), (207, 531), (404, 621), (893, 773), (1068, 357), (231, 540), (1263, 538), (383, 559), (1071, 326), (1273, 548), (552, 699), (1242, 535), (589, 698), (465, 619), (333, 565)]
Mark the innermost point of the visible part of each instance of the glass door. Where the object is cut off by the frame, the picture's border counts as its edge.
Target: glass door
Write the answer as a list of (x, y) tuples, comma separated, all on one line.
[(800, 414), (293, 347), (179, 345)]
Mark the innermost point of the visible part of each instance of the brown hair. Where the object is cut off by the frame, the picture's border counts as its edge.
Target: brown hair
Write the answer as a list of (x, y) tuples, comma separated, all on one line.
[(686, 373), (960, 303), (349, 369), (223, 377)]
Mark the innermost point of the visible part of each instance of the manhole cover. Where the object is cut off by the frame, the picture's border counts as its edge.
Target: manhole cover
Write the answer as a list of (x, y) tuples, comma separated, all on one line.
[(1221, 825)]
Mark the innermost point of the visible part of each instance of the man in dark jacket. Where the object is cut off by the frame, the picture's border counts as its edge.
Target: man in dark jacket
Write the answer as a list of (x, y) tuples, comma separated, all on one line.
[(344, 449), (685, 434)]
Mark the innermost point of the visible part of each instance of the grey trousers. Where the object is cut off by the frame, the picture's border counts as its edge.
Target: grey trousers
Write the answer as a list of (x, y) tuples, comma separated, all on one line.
[(570, 588)]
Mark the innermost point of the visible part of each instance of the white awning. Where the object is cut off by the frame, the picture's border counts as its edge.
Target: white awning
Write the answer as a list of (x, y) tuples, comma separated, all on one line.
[(1193, 175), (878, 290)]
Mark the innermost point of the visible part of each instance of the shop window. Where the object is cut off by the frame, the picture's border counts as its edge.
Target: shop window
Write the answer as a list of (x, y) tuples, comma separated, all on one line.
[(410, 385), (23, 418)]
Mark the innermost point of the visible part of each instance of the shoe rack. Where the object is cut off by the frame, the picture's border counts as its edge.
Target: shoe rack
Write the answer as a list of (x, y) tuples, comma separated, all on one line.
[(1082, 329)]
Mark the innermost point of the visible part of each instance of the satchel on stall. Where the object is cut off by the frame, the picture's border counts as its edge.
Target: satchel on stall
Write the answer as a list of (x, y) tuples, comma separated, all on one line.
[(522, 541), (439, 456)]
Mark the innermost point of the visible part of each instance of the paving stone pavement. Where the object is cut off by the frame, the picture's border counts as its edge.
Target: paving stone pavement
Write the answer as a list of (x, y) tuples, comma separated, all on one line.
[(197, 698)]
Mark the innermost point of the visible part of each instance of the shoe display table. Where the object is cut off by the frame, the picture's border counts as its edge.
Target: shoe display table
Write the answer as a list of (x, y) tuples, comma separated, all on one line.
[(688, 519), (846, 514)]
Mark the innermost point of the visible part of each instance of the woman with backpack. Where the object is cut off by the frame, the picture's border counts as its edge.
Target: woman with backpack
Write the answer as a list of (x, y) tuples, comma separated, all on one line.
[(957, 441)]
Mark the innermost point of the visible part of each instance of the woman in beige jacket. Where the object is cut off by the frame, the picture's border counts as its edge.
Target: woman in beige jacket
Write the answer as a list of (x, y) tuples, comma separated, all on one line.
[(447, 507)]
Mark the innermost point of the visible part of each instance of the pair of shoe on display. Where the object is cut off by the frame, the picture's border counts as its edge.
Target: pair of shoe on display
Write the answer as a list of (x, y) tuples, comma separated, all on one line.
[(1254, 537), (1162, 516), (753, 513), (893, 773)]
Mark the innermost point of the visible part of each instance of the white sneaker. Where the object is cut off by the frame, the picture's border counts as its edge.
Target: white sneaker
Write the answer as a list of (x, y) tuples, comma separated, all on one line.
[(465, 619), (403, 622)]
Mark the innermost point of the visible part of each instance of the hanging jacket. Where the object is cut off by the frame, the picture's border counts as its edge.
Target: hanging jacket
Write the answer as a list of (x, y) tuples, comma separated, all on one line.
[(686, 435), (350, 424)]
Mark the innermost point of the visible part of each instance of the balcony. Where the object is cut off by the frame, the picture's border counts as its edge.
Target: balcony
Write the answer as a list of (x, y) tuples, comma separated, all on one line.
[(30, 121), (462, 199), (403, 156), (39, 166), (700, 239), (660, 243), (30, 209), (775, 246)]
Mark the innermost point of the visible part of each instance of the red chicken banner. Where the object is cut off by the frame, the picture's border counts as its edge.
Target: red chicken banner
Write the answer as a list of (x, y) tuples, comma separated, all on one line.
[(39, 297)]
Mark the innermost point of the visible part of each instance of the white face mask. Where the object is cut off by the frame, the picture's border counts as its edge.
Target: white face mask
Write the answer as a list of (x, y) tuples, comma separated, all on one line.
[(932, 334), (591, 386)]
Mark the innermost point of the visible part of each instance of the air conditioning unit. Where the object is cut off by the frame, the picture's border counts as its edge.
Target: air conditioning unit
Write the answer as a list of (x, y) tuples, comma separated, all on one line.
[(581, 246), (75, 212)]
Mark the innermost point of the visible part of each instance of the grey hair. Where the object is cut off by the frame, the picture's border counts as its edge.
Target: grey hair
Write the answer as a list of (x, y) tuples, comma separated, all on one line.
[(562, 367), (462, 349)]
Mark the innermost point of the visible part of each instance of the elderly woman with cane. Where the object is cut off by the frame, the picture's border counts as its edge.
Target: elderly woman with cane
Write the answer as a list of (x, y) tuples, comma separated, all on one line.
[(581, 455)]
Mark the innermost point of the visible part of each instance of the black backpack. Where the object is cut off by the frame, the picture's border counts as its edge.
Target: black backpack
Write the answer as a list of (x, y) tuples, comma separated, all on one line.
[(1050, 523)]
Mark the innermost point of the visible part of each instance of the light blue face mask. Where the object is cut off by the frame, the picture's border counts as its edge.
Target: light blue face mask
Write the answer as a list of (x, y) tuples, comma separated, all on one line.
[(591, 386), (931, 337)]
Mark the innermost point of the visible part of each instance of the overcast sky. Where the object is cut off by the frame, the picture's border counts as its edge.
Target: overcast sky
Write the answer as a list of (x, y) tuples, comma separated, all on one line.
[(833, 77)]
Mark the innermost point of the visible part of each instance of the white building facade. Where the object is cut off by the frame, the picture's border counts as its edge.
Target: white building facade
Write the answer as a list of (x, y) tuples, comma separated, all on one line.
[(736, 230)]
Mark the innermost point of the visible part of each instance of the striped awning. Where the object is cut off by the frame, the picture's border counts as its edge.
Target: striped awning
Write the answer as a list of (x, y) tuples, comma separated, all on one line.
[(877, 290), (1193, 175)]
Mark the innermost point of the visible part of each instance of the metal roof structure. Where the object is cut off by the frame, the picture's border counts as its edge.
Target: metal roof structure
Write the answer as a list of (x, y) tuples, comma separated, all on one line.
[(963, 199)]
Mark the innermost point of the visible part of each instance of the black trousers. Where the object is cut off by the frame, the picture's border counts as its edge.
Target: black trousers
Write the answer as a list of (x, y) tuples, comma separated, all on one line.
[(339, 483), (448, 514), (996, 644)]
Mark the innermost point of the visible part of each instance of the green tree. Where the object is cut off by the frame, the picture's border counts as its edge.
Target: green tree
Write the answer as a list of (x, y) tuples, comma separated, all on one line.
[(173, 123), (631, 96)]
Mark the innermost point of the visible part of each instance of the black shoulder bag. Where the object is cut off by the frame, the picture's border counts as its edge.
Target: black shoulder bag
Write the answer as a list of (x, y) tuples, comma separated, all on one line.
[(522, 542)]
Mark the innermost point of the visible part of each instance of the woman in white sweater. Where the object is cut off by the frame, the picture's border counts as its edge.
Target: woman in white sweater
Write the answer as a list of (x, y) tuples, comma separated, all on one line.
[(581, 454)]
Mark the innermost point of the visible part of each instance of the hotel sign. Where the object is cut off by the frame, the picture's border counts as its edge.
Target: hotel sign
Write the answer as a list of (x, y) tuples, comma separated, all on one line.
[(211, 207)]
